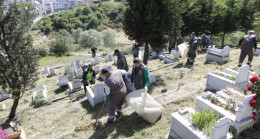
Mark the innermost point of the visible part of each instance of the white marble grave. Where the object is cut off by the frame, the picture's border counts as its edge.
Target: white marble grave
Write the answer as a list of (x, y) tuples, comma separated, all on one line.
[(78, 63), (95, 61), (63, 81), (218, 55), (97, 96), (4, 95), (141, 55), (153, 55), (45, 70), (40, 95), (217, 80), (241, 120), (78, 74), (115, 61), (257, 53), (171, 58), (109, 58), (52, 72), (84, 62), (75, 85), (70, 76), (181, 128)]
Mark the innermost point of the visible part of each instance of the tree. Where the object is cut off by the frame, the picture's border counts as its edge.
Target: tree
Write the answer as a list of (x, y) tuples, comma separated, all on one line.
[(109, 37), (18, 58), (90, 38), (61, 43), (76, 34), (149, 22), (246, 15)]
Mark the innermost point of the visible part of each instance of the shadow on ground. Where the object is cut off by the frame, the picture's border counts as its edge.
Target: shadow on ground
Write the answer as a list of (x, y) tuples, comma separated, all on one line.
[(126, 127), (62, 89), (94, 111)]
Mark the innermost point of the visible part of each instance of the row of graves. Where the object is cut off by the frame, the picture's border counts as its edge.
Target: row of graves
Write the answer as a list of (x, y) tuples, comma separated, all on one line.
[(220, 111)]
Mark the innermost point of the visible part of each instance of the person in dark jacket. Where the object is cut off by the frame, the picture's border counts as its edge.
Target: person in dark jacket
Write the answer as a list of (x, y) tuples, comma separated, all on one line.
[(135, 50), (115, 82), (88, 77), (140, 75), (205, 42), (171, 45), (179, 40), (249, 43), (93, 49), (192, 51), (121, 60)]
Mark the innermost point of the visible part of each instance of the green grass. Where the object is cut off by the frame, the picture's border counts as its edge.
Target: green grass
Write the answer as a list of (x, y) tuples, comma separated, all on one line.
[(52, 60)]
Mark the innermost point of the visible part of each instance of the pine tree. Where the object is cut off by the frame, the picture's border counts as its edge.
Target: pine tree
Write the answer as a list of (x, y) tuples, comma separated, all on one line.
[(150, 22), (18, 58)]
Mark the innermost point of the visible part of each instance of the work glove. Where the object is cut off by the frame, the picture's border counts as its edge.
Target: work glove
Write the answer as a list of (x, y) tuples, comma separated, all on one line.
[(131, 85), (145, 89), (255, 50), (240, 47)]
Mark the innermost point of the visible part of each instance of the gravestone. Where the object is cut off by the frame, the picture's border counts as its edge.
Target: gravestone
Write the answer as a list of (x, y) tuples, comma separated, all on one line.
[(171, 58), (257, 53), (153, 55), (152, 77), (70, 76), (217, 80), (115, 61), (97, 96), (45, 70), (40, 95), (73, 63), (141, 55), (78, 74), (63, 81), (218, 55), (4, 95), (97, 69), (75, 85), (84, 62), (95, 61), (52, 72), (109, 58), (220, 130), (78, 63)]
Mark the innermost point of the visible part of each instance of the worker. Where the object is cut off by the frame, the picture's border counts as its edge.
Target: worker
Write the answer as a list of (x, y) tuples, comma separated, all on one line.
[(205, 42), (171, 45), (193, 38), (192, 51), (93, 49), (249, 41), (117, 94), (179, 40), (135, 50), (140, 75), (88, 77), (121, 60)]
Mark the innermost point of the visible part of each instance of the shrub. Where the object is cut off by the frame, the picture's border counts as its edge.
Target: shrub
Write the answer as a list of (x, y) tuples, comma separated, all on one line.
[(90, 38), (109, 37), (76, 34), (61, 43), (42, 52)]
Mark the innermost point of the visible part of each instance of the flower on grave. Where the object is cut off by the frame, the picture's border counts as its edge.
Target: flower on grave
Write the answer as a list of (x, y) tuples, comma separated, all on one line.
[(249, 88), (256, 96), (254, 79), (253, 103), (254, 118), (216, 101), (228, 102), (254, 113)]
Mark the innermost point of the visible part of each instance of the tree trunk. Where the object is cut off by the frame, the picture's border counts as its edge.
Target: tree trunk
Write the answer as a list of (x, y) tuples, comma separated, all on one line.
[(13, 109), (223, 40), (146, 54)]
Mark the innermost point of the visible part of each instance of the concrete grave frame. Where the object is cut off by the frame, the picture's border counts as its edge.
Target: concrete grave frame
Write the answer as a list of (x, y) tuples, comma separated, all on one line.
[(45, 70), (241, 120), (183, 129), (97, 96), (218, 55), (63, 81), (216, 82), (75, 85), (44, 91)]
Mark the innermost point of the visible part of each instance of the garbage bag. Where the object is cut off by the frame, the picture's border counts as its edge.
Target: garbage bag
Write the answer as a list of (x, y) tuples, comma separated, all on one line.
[(183, 48), (144, 105)]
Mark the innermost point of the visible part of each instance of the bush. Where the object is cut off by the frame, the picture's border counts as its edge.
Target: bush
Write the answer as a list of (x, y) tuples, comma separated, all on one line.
[(61, 43), (76, 34), (42, 52), (90, 38), (109, 37)]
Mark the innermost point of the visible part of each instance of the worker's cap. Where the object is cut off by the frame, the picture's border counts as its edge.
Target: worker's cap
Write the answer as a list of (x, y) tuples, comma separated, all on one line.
[(104, 70), (251, 32), (193, 33), (137, 60), (90, 65), (203, 34), (116, 51), (199, 38)]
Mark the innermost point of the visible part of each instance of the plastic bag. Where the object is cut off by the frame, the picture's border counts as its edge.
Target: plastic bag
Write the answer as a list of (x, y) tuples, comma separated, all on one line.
[(183, 48), (144, 105)]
